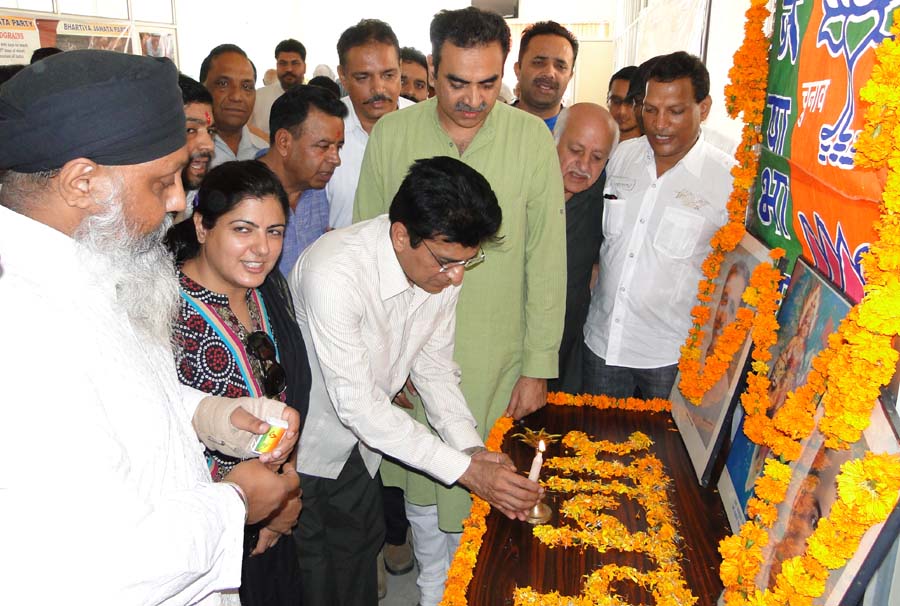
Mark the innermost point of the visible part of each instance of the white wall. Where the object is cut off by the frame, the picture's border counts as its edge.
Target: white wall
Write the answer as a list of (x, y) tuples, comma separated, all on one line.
[(258, 25), (255, 25), (409, 20), (655, 34), (725, 36), (568, 11)]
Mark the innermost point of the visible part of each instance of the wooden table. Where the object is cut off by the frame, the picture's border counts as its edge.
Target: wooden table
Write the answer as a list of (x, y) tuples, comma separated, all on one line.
[(510, 556)]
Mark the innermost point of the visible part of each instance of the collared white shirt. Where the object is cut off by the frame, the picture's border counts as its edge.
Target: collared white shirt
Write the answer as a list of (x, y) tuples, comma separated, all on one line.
[(366, 329), (341, 189), (248, 148), (656, 235), (124, 495), (262, 107)]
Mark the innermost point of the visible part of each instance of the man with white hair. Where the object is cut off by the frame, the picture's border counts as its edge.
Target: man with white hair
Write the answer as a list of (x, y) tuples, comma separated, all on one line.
[(93, 147), (585, 136)]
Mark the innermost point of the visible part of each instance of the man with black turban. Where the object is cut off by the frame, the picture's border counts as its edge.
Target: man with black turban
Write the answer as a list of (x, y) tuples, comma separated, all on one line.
[(105, 494)]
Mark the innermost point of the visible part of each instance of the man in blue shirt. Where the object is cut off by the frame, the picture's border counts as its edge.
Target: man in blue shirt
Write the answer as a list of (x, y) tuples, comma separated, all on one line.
[(306, 132), (547, 54)]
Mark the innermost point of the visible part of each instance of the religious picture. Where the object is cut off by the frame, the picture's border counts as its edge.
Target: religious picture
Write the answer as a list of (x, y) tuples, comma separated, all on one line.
[(812, 309), (701, 426), (810, 496)]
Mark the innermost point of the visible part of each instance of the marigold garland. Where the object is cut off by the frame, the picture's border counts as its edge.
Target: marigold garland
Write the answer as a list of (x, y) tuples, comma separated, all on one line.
[(868, 490), (666, 582), (645, 483), (857, 362), (848, 375), (606, 402), (744, 95), (460, 574)]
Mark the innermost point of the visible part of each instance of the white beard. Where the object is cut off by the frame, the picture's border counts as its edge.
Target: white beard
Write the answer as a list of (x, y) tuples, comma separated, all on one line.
[(140, 266)]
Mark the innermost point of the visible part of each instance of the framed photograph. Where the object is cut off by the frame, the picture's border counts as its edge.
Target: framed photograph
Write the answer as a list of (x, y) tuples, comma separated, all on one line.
[(702, 426), (508, 9), (159, 42), (810, 496), (884, 587), (889, 392), (812, 309)]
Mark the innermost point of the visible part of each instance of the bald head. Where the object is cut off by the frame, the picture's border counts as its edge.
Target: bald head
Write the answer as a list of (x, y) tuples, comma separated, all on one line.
[(585, 135)]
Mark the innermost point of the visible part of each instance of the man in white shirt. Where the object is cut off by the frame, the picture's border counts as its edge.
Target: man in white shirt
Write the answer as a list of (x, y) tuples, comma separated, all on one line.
[(369, 68), (290, 62), (230, 77), (664, 199), (94, 143), (376, 303)]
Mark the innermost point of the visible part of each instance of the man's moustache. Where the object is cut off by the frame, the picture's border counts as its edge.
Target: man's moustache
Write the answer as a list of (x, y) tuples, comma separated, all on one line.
[(201, 154), (465, 107), (377, 98), (547, 82)]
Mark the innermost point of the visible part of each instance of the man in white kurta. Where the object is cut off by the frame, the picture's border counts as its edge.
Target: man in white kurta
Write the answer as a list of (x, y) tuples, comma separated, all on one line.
[(376, 303), (119, 504), (105, 497)]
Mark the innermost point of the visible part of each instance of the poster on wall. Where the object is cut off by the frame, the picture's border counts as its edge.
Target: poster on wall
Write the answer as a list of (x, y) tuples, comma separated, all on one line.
[(812, 492), (808, 199), (812, 310), (158, 42), (72, 35), (664, 27), (18, 38), (509, 9), (702, 426), (21, 36)]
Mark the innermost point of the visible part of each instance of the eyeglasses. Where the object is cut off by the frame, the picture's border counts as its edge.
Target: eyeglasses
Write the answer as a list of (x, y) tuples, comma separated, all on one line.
[(260, 346), (616, 101), (447, 266)]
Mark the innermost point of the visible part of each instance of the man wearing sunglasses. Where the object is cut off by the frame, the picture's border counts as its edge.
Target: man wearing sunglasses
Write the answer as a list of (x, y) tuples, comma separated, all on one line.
[(376, 303)]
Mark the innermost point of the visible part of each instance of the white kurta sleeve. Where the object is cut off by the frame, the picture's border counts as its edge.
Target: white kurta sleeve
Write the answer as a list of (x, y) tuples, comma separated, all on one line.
[(334, 312), (94, 507), (436, 377)]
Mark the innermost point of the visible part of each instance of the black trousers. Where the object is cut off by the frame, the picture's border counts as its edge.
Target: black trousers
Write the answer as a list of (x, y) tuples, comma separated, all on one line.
[(271, 578), (395, 522), (339, 535)]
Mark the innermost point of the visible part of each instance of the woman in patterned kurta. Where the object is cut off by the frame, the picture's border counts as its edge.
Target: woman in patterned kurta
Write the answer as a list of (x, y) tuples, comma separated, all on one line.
[(235, 336)]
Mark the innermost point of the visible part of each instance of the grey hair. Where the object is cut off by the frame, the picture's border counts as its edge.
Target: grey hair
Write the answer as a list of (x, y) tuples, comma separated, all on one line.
[(18, 190), (560, 127), (139, 265)]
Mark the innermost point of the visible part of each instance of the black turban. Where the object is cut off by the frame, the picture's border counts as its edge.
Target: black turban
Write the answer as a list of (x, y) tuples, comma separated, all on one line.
[(112, 108)]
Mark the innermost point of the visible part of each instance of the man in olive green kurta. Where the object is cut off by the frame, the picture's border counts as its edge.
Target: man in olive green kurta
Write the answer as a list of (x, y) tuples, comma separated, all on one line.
[(510, 312)]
